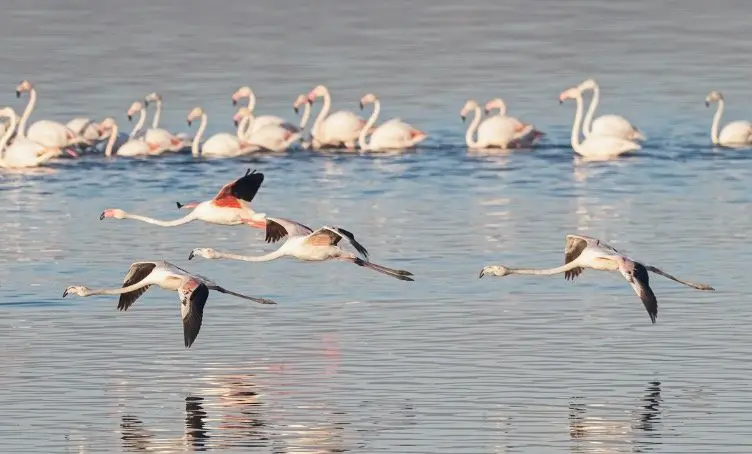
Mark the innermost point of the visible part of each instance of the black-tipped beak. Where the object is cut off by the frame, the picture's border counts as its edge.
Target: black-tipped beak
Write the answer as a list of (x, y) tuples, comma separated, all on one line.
[(146, 103), (707, 104), (295, 108), (130, 117), (361, 106), (18, 94), (101, 216), (65, 293), (482, 273), (485, 111), (190, 256), (561, 102), (234, 102), (463, 118), (180, 205), (189, 122)]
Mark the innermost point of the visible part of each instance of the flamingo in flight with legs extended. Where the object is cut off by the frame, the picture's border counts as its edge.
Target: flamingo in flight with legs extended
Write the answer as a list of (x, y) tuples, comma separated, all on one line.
[(305, 244), (231, 206), (586, 252), (193, 291)]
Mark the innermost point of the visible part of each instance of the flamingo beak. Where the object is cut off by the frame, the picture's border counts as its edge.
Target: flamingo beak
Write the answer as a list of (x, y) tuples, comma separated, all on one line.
[(295, 108), (18, 93), (101, 216), (189, 122), (707, 103), (130, 117), (234, 102), (190, 256), (65, 293), (463, 118), (361, 106), (236, 122)]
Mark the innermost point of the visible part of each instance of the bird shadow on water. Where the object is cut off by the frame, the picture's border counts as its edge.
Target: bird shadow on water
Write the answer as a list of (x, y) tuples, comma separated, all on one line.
[(590, 433)]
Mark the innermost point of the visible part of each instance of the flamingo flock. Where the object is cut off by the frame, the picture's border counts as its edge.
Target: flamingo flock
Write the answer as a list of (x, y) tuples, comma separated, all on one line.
[(604, 137)]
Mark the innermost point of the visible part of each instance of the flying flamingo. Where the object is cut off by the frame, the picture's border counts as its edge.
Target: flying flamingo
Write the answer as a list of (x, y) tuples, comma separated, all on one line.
[(262, 120), (594, 147), (193, 291), (128, 148), (49, 134), (394, 134), (606, 125), (736, 134), (305, 244), (493, 133), (585, 252), (527, 141), (23, 152), (161, 136), (218, 145), (231, 206), (341, 127)]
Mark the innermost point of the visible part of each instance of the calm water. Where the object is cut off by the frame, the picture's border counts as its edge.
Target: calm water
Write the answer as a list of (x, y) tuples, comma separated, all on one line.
[(352, 361)]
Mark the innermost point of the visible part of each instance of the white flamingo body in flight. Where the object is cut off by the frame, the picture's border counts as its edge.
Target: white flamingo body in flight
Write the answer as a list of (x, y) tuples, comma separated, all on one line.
[(595, 147), (231, 206), (394, 134), (193, 291), (736, 134), (606, 125), (586, 252), (305, 244), (336, 129)]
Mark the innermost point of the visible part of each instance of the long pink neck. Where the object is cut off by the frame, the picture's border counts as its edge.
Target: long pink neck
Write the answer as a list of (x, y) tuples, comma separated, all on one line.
[(184, 220), (544, 271)]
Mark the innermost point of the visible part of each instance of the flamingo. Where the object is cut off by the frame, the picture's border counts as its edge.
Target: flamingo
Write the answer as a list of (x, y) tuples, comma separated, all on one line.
[(231, 206), (594, 147), (305, 244), (586, 252), (86, 128), (158, 139), (218, 145), (341, 127), (268, 138), (302, 100), (262, 120), (606, 125), (163, 137), (22, 153), (493, 133), (736, 134), (49, 134), (193, 291), (528, 140), (394, 134), (128, 147)]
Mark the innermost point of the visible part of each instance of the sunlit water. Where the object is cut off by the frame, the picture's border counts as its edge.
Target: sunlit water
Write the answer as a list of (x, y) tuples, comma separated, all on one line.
[(351, 360)]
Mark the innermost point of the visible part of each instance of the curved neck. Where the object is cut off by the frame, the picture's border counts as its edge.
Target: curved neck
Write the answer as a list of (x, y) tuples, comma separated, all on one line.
[(306, 115), (322, 114), (157, 115), (118, 291), (8, 133), (197, 137), (576, 126), (587, 126), (716, 120), (502, 106), (111, 141), (251, 101), (544, 271), (371, 121), (27, 112), (184, 220), (251, 258), (244, 127), (472, 127), (139, 124)]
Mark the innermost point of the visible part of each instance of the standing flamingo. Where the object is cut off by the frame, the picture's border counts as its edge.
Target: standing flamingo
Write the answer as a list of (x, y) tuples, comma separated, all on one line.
[(394, 134), (307, 245), (585, 252), (532, 135), (231, 206), (159, 139), (24, 152), (128, 147), (193, 291), (218, 145), (271, 137), (49, 134), (594, 147), (735, 134), (261, 120), (161, 136), (493, 133), (340, 128), (606, 125)]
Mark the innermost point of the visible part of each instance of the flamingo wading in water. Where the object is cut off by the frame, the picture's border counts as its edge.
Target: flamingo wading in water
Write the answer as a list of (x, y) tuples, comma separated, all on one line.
[(231, 206), (193, 291), (305, 244), (586, 252), (394, 134), (527, 135), (606, 125), (736, 134), (340, 128)]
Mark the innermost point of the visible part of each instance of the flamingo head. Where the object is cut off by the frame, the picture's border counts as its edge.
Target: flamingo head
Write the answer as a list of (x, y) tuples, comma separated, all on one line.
[(496, 103), (588, 85), (240, 93), (367, 99), (301, 100), (205, 252), (112, 213), (713, 96), (79, 290), (152, 97), (24, 86), (197, 112), (240, 114), (137, 106), (494, 270), (106, 126), (570, 93), (469, 105), (317, 92)]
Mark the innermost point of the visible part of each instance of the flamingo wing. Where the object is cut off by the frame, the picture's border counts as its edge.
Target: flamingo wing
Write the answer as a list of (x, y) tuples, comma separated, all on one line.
[(244, 188), (342, 233), (137, 273), (575, 245), (640, 282), (278, 228), (192, 312)]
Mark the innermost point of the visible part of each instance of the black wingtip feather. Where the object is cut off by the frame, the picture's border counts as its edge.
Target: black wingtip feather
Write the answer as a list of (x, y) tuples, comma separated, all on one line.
[(274, 231), (193, 319), (358, 247), (246, 187), (646, 294)]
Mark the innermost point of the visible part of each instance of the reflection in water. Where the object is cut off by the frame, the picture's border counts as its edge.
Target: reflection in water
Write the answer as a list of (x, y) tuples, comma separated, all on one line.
[(593, 434), (195, 416), (133, 434)]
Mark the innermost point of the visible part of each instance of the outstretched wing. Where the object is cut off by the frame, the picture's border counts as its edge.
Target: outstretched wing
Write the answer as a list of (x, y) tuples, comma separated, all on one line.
[(350, 237), (137, 273), (575, 245), (244, 188), (640, 282), (240, 295), (192, 310), (278, 228)]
